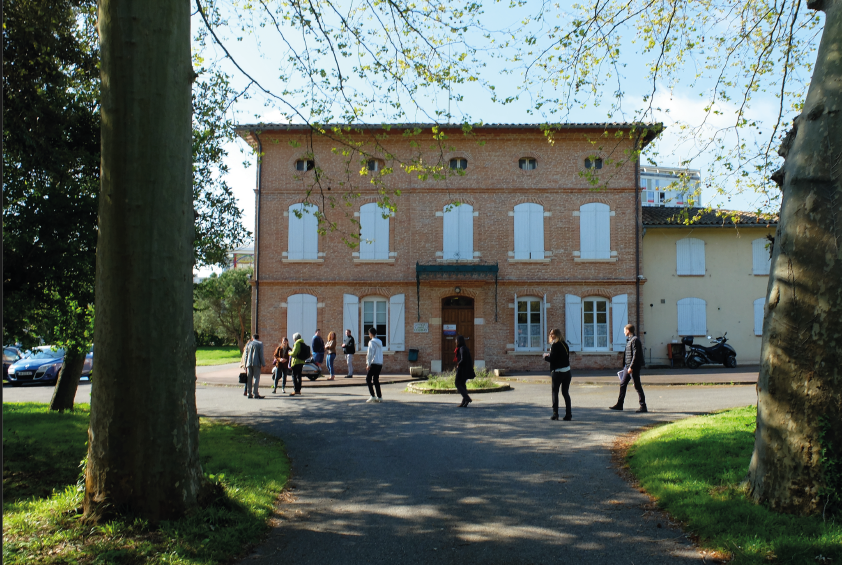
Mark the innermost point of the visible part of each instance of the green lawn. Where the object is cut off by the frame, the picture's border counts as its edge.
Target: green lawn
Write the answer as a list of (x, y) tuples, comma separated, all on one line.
[(483, 379), (695, 467), (42, 502), (217, 355)]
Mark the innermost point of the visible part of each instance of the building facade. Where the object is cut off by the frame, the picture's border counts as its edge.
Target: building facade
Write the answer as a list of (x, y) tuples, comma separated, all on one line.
[(669, 186), (704, 279), (519, 242)]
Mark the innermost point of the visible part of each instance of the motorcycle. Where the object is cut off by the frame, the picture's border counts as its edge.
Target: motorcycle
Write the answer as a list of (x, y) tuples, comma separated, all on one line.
[(311, 370), (720, 352)]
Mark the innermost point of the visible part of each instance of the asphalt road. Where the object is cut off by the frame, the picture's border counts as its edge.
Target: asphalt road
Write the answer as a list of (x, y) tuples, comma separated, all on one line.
[(418, 480)]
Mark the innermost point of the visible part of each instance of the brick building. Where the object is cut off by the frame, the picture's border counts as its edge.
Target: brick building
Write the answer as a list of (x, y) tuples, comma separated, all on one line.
[(520, 243)]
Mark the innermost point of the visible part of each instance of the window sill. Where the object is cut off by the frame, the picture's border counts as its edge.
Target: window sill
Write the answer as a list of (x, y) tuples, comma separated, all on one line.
[(526, 353), (368, 261), (474, 260), (689, 275), (302, 260), (581, 260), (595, 352), (529, 260)]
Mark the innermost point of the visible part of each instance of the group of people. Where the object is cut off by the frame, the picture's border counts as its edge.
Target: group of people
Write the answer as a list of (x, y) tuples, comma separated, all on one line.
[(291, 360)]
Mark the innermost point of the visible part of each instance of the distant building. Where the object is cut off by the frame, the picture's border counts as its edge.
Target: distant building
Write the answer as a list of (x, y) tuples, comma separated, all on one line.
[(669, 186), (242, 257)]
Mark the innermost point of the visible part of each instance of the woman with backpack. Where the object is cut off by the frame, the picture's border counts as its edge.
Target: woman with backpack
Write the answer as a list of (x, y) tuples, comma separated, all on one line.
[(559, 360), (299, 354), (464, 370)]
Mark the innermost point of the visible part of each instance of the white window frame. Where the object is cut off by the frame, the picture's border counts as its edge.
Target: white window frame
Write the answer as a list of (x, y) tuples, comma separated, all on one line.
[(595, 347), (529, 231), (309, 165), (458, 233), (372, 165), (303, 234), (527, 163), (364, 331), (761, 260), (690, 257), (540, 335), (595, 231), (374, 232), (692, 316), (461, 163)]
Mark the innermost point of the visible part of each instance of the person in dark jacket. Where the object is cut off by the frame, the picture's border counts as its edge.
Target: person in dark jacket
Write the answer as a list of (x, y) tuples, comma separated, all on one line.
[(632, 361), (349, 347), (464, 370), (559, 360), (317, 348)]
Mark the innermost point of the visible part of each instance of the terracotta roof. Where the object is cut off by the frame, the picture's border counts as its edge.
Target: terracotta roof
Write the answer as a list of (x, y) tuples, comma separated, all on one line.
[(679, 217)]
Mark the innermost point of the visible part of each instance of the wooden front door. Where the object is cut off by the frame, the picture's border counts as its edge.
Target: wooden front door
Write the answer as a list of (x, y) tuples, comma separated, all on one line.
[(456, 311)]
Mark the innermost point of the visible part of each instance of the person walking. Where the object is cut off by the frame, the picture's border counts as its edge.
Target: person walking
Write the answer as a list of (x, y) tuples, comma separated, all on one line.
[(373, 365), (632, 361), (244, 374), (254, 364), (330, 354), (317, 345), (281, 356), (464, 370), (297, 357), (559, 360), (349, 347)]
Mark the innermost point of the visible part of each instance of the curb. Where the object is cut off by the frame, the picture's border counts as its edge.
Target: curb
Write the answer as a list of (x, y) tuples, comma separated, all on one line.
[(333, 384), (607, 383), (414, 388)]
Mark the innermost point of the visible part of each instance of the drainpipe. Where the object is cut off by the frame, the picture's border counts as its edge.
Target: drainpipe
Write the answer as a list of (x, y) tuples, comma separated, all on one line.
[(256, 317), (637, 239)]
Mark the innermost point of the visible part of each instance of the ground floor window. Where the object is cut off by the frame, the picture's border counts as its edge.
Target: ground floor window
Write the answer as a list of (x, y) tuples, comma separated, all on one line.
[(374, 315), (594, 324), (529, 334)]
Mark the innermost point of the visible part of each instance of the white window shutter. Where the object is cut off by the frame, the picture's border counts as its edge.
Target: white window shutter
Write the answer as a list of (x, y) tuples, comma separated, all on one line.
[(296, 233), (381, 234), (310, 233), (761, 261), (522, 240), (690, 256), (587, 232), (294, 315), (692, 316), (367, 231), (573, 321), (536, 231), (619, 319), (450, 233), (309, 317), (602, 232), (397, 324), (351, 315), (466, 232), (544, 331), (759, 306), (700, 322), (698, 265)]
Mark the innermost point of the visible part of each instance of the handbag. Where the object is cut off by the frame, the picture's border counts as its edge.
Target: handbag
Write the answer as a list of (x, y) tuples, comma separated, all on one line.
[(243, 377)]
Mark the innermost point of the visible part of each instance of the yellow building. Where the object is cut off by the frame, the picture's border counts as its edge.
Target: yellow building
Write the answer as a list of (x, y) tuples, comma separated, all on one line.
[(703, 279)]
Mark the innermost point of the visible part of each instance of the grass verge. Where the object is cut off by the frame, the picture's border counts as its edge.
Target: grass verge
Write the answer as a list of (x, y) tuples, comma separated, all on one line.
[(217, 355), (43, 498), (694, 469), (483, 379)]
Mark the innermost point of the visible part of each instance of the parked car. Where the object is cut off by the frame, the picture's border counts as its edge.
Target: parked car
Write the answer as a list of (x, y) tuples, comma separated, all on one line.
[(43, 366), (11, 355)]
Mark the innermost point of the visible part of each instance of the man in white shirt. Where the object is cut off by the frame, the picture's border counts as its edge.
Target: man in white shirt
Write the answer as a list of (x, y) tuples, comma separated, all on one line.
[(374, 364)]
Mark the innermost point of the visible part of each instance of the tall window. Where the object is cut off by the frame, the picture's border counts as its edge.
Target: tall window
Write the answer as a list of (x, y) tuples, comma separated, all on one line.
[(529, 231), (303, 232), (529, 333), (458, 233), (692, 316), (594, 324), (761, 256), (374, 315), (527, 164), (690, 256), (374, 232), (595, 231), (302, 312)]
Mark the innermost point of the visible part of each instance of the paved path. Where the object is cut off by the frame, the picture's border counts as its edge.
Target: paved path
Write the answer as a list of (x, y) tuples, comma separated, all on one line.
[(417, 480)]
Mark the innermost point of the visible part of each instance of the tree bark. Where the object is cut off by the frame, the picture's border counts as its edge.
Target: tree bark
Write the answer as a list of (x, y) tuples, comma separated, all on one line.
[(68, 381), (143, 437), (801, 356)]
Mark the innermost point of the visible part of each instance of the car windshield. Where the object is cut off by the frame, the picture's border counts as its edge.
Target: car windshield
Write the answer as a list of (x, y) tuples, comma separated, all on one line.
[(10, 355), (47, 353)]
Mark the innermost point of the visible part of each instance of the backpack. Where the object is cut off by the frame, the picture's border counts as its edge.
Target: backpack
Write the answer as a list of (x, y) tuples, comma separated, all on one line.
[(303, 352)]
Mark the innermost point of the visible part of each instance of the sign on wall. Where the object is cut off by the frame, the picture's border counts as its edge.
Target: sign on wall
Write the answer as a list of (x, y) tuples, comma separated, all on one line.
[(449, 329), (421, 328)]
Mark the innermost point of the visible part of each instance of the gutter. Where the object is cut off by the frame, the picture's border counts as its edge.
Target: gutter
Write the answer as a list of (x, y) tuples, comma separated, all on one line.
[(256, 317), (696, 226), (638, 218)]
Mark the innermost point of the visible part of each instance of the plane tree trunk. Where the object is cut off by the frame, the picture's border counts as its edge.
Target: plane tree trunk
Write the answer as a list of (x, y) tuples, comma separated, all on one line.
[(801, 357), (68, 380), (143, 437)]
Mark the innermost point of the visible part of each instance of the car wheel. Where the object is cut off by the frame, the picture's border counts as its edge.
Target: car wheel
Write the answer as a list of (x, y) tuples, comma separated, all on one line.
[(730, 362), (693, 362)]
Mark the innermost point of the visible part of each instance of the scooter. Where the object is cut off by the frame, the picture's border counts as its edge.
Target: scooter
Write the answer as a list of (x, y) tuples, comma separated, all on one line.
[(720, 352), (311, 370)]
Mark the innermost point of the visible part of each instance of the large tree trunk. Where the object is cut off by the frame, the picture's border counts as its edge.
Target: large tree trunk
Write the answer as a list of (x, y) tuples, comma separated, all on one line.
[(143, 437), (801, 357), (68, 380)]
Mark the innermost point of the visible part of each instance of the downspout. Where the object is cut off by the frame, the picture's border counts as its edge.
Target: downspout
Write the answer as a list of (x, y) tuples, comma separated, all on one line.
[(256, 316), (637, 213)]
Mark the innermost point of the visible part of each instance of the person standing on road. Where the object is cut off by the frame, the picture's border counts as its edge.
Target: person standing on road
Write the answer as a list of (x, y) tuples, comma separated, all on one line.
[(296, 363), (317, 345), (330, 354), (373, 365), (281, 365), (244, 374), (559, 360), (349, 347), (464, 370), (632, 361), (254, 364)]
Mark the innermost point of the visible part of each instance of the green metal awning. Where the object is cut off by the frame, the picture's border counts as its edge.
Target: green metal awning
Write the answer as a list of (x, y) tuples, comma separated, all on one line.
[(455, 272)]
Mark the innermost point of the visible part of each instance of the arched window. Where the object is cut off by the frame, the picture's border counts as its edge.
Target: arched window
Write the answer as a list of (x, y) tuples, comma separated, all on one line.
[(303, 232), (458, 232), (690, 256), (595, 163), (692, 316), (595, 231), (302, 316), (527, 164), (374, 232), (459, 163), (529, 231)]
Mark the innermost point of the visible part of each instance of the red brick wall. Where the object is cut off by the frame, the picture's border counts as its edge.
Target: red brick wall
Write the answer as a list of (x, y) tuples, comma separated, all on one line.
[(493, 185)]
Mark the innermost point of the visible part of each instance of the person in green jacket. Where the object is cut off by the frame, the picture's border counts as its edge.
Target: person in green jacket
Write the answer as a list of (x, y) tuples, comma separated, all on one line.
[(296, 364)]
